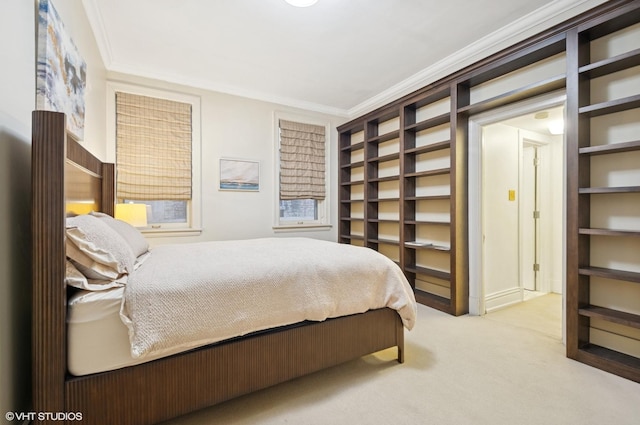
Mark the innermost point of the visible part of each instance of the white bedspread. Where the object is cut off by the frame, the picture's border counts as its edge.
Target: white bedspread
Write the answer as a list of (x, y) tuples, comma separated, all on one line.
[(189, 295)]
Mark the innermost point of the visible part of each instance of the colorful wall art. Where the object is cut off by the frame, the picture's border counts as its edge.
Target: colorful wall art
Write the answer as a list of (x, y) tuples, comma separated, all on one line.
[(61, 71)]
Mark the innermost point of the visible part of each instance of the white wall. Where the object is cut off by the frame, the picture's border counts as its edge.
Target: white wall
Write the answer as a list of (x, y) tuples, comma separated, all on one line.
[(500, 216), (237, 127), (17, 85)]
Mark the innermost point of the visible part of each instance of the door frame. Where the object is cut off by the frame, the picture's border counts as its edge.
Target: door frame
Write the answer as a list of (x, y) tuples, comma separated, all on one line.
[(476, 122), (543, 242), (529, 196)]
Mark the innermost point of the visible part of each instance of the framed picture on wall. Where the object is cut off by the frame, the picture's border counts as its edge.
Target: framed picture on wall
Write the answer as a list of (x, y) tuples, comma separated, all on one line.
[(61, 71), (239, 174)]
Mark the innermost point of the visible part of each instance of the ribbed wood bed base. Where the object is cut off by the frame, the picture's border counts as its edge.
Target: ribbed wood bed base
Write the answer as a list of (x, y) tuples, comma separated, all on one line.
[(165, 388)]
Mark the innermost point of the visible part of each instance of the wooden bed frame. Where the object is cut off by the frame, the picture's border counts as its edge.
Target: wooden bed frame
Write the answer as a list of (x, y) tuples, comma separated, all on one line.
[(165, 388)]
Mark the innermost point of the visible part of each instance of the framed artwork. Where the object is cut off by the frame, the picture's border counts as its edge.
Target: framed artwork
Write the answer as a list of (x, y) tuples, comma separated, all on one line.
[(61, 71), (239, 174)]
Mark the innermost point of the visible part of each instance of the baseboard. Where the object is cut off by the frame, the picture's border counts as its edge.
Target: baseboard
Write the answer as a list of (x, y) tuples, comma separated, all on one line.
[(502, 299)]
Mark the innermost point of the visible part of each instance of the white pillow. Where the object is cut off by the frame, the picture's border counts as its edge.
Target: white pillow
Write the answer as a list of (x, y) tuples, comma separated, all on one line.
[(130, 234), (110, 255), (88, 266), (78, 280)]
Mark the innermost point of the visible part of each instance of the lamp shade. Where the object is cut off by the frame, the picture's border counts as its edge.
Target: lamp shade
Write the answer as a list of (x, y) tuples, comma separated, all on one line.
[(134, 214), (80, 207)]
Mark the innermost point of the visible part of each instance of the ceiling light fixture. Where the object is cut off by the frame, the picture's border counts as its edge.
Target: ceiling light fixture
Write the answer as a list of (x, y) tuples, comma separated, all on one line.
[(301, 3), (556, 127)]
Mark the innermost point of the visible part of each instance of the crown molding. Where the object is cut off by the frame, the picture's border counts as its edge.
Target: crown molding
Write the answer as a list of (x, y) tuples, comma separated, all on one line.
[(540, 19), (96, 23), (201, 84)]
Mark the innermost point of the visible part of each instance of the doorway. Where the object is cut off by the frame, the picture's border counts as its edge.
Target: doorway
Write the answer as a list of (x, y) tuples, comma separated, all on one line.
[(516, 205)]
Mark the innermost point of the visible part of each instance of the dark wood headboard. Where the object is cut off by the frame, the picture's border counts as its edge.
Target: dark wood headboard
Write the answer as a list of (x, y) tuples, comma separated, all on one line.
[(63, 174)]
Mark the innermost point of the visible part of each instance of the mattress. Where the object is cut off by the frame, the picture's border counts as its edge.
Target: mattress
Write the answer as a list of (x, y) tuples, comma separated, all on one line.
[(171, 306), (97, 340)]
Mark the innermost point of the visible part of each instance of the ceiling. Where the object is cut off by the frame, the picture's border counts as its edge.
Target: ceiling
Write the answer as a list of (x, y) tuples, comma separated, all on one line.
[(343, 57), (538, 121)]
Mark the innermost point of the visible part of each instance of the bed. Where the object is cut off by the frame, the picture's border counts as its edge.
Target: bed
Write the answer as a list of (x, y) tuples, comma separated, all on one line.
[(64, 174)]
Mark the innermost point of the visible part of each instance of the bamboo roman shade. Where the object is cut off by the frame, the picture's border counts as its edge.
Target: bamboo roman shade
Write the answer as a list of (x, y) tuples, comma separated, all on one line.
[(153, 148), (302, 161)]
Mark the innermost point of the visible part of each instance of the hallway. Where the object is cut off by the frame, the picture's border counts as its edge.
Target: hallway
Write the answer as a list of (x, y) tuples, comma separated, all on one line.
[(542, 314)]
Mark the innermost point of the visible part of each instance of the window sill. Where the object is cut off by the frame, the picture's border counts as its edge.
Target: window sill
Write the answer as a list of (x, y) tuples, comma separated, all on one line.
[(301, 227), (167, 233)]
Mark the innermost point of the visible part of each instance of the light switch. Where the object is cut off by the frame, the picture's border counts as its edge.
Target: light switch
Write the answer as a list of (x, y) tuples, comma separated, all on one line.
[(512, 195)]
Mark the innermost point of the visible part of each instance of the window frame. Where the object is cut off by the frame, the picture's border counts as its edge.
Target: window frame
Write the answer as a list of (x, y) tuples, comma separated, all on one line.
[(323, 221), (193, 227)]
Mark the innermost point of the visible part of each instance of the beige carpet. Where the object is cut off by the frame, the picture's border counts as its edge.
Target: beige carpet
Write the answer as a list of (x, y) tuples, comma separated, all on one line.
[(502, 368), (541, 314)]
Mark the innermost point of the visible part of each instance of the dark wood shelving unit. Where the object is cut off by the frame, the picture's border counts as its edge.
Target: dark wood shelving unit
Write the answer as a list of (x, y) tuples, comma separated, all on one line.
[(527, 92), (408, 155), (614, 316), (604, 190), (384, 179), (427, 198), (433, 223), (346, 231), (428, 173), (354, 147), (610, 149), (611, 106), (353, 165), (385, 241), (583, 239), (434, 147), (389, 157), (417, 267), (428, 248), (353, 183), (385, 137), (610, 274), (353, 219), (611, 65), (378, 200), (429, 272), (611, 361), (608, 232), (428, 123), (445, 106)]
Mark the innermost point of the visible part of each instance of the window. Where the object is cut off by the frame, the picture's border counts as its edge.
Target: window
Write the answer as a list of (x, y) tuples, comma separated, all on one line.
[(301, 174), (294, 210), (164, 211), (156, 141)]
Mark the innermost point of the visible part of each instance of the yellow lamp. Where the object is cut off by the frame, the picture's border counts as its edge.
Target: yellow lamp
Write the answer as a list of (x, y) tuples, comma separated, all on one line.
[(134, 214), (80, 207)]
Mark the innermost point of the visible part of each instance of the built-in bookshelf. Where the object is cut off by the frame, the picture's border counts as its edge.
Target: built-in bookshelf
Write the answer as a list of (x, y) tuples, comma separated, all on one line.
[(603, 277), (426, 224), (404, 183), (403, 176), (397, 171)]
